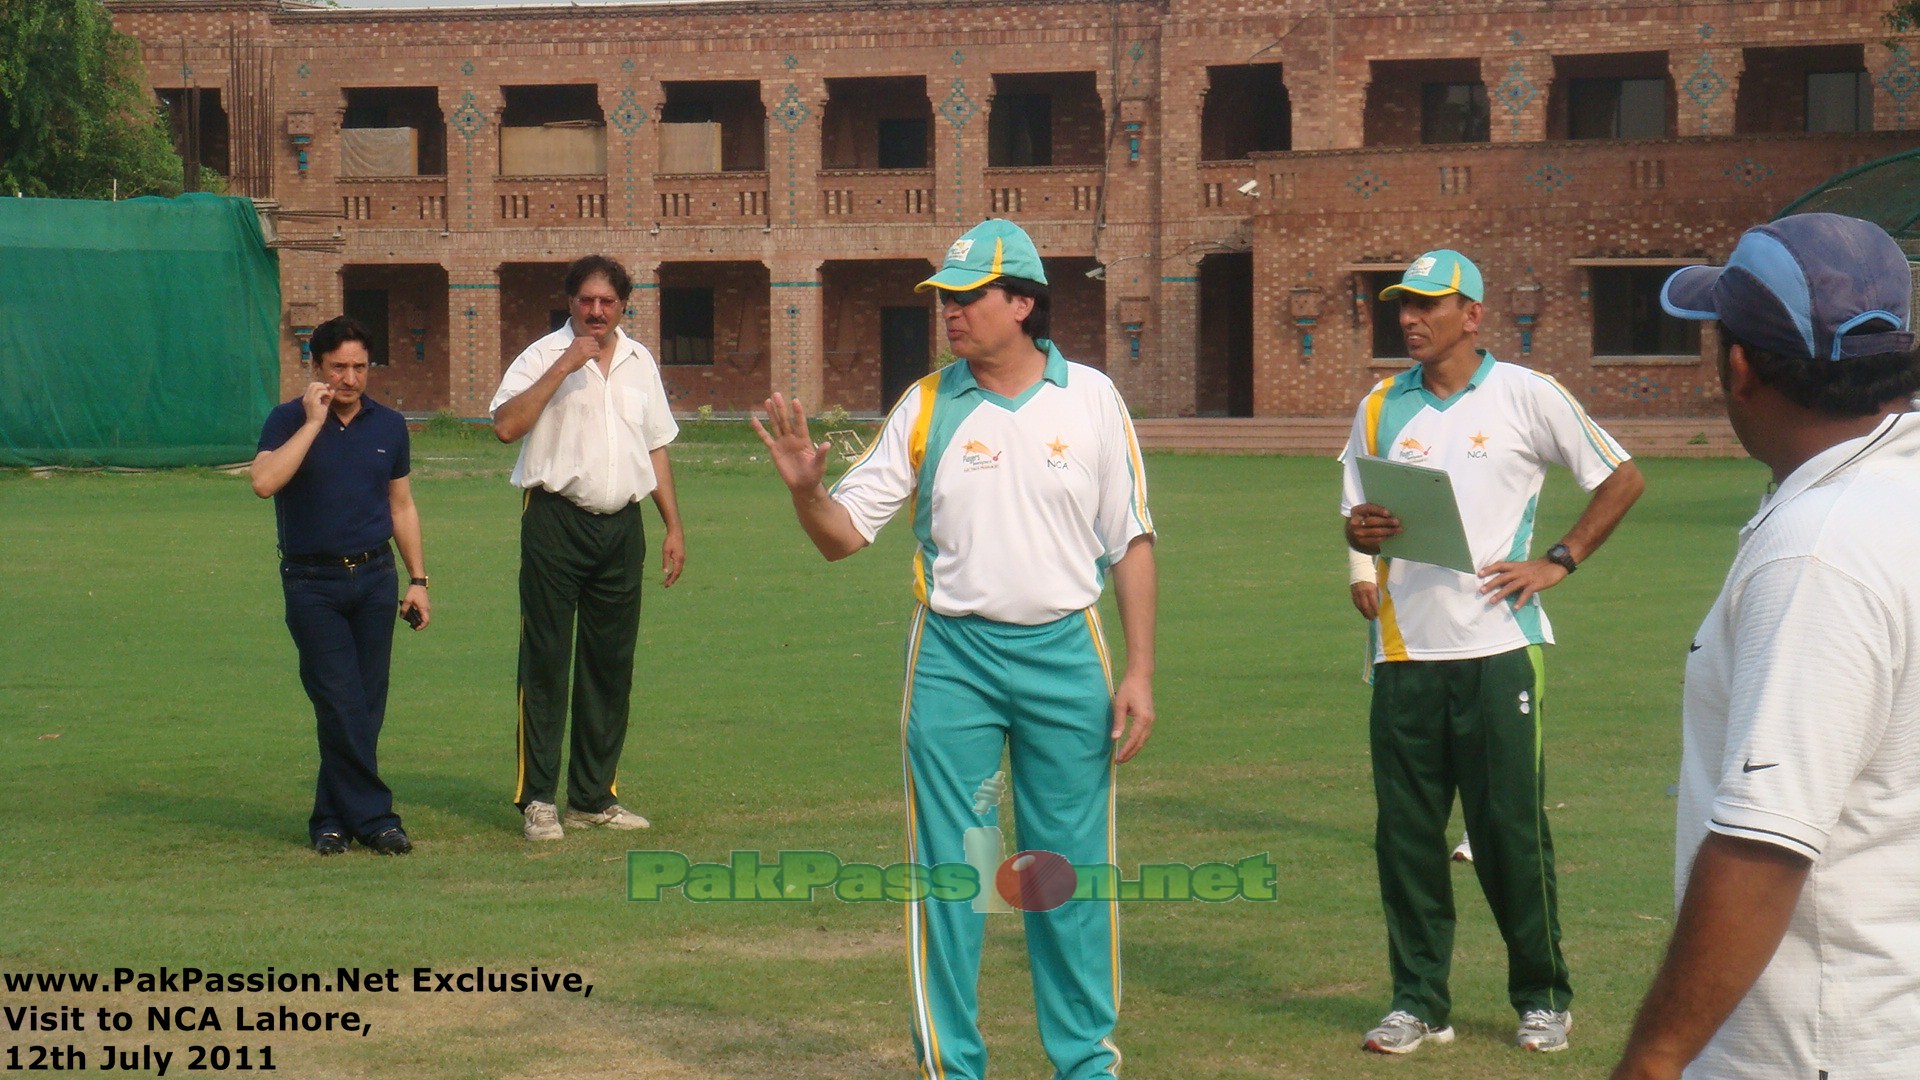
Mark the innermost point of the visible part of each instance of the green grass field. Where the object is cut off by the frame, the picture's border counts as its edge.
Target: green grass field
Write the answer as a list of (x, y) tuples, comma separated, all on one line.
[(162, 756)]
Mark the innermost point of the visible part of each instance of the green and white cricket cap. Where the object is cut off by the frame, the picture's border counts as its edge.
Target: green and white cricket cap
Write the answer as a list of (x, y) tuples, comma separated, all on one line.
[(1438, 273), (995, 248)]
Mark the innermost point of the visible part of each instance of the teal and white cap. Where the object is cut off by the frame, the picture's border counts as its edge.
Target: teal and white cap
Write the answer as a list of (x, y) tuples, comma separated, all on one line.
[(1438, 273), (995, 248)]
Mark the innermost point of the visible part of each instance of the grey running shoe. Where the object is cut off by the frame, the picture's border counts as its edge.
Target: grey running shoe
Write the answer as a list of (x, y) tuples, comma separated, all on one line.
[(1544, 1030), (1464, 853), (543, 822), (1402, 1033), (613, 817)]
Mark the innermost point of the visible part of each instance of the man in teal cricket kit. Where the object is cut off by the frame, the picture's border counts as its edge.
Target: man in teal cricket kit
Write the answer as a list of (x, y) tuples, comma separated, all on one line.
[(1026, 490), (1458, 676)]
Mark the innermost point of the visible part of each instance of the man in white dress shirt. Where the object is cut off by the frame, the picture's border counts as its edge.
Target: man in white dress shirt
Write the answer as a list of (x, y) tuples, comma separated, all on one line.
[(589, 401)]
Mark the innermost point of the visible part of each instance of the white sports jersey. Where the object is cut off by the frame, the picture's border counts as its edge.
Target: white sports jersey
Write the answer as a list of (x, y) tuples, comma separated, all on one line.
[(593, 443), (1495, 438), (1803, 730), (1019, 505)]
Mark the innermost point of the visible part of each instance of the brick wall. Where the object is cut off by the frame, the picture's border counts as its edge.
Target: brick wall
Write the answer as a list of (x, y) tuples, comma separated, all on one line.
[(1146, 207)]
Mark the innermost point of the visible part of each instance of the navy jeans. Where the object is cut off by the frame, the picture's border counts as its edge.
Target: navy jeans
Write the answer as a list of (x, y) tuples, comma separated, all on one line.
[(341, 618)]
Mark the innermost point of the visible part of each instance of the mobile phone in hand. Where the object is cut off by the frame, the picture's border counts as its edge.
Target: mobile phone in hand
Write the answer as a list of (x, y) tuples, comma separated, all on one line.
[(413, 616)]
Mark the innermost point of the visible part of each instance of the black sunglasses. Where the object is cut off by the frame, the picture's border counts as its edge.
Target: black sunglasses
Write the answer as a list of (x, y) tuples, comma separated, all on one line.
[(964, 297)]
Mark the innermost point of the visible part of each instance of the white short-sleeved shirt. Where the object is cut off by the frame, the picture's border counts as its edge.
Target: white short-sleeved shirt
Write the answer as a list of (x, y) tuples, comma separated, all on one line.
[(1495, 438), (1018, 505), (1802, 730), (592, 444)]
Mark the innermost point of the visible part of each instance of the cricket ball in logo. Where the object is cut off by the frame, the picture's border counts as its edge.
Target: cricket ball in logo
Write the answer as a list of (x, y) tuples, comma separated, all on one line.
[(978, 455), (1036, 880)]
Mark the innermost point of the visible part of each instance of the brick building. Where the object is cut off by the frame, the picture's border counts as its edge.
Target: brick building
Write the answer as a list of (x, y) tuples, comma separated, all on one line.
[(1219, 186)]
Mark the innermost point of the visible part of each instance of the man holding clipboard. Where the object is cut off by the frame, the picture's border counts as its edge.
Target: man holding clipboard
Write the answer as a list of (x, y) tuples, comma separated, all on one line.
[(1458, 678)]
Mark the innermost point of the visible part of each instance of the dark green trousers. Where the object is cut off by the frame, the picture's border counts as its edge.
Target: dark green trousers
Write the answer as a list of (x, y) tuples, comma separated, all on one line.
[(579, 580), (1472, 726)]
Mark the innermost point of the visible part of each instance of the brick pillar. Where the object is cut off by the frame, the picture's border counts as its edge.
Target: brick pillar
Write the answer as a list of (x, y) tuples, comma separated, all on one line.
[(796, 364), (1896, 85), (795, 105), (1341, 103), (1128, 246), (1703, 88), (642, 320), (960, 103), (474, 360), (1517, 87), (473, 158), (633, 150)]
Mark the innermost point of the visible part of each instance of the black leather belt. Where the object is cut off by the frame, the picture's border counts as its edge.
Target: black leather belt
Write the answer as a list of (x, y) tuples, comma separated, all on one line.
[(354, 559)]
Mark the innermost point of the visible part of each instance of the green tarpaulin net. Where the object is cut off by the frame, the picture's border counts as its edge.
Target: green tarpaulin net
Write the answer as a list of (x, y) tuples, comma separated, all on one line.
[(138, 333), (1885, 192)]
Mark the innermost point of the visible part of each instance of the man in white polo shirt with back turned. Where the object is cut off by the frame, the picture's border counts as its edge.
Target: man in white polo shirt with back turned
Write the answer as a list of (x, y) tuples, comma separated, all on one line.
[(1796, 950)]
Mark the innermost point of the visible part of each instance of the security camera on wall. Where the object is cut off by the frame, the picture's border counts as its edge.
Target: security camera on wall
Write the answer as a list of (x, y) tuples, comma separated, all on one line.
[(1250, 189)]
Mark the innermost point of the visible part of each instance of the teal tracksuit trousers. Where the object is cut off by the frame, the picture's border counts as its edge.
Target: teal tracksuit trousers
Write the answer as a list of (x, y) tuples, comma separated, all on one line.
[(1043, 694)]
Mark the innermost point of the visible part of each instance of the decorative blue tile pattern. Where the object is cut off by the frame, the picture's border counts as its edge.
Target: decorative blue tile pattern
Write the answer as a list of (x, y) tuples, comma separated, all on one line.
[(958, 108), (466, 68), (628, 65), (1516, 92), (1705, 86), (628, 117), (792, 112), (1901, 80), (959, 57), (1549, 178), (185, 71), (1705, 31), (467, 119), (1747, 171), (791, 61), (1515, 37), (1367, 183), (303, 71)]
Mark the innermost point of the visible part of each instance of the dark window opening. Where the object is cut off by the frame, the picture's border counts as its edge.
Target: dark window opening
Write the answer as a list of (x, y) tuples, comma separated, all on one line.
[(1021, 131), (1628, 319), (1454, 113), (369, 307), (395, 109), (199, 134), (903, 144), (1388, 341), (712, 127), (1839, 101), (1617, 109), (1247, 111), (686, 325)]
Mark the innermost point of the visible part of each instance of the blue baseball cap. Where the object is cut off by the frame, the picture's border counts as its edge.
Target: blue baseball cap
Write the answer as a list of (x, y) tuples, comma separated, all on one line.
[(993, 249), (1805, 286), (1438, 273)]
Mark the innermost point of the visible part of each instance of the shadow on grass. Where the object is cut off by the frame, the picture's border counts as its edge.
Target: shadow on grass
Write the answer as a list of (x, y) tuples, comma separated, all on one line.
[(211, 814)]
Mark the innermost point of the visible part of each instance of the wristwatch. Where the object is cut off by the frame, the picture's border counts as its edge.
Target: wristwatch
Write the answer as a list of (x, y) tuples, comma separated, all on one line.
[(422, 582), (1559, 556)]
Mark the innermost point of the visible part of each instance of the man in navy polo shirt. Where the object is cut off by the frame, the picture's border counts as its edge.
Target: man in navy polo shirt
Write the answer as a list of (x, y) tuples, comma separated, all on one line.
[(335, 462)]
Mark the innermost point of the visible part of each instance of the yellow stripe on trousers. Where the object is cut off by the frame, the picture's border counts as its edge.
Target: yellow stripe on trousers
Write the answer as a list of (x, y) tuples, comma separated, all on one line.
[(916, 910)]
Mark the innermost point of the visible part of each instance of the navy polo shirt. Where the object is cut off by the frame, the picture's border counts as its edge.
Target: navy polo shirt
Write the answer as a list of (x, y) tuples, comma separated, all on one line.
[(336, 504)]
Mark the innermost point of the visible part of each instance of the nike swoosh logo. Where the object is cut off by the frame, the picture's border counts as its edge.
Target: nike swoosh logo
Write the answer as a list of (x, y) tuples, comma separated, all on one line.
[(1693, 646), (1749, 766)]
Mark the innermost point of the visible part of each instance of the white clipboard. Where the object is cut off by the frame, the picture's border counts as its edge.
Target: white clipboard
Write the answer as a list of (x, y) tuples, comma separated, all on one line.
[(1431, 530)]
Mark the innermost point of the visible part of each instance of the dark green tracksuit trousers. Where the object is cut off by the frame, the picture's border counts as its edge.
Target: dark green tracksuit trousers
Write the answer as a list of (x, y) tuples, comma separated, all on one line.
[(1473, 726), (573, 560)]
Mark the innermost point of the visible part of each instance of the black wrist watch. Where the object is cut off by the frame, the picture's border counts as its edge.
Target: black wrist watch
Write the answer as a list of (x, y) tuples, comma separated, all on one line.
[(422, 582), (1559, 556)]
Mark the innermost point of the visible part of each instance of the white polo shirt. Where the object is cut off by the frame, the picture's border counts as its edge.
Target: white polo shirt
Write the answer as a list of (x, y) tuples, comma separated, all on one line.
[(1802, 730), (592, 444), (1019, 505), (1495, 439)]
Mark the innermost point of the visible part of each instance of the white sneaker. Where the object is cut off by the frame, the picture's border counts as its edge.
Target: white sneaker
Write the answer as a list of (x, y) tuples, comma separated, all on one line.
[(1464, 853), (1544, 1030), (613, 817), (543, 822), (1402, 1033)]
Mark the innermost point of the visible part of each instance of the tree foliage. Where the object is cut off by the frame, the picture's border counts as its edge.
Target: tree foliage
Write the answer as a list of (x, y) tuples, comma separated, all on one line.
[(1904, 17), (75, 114)]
